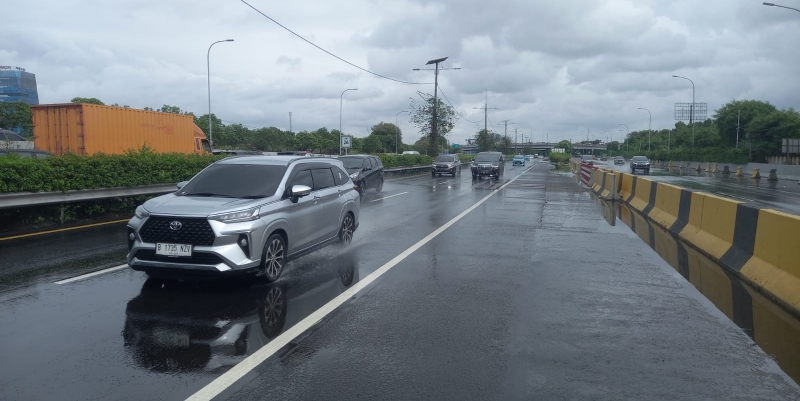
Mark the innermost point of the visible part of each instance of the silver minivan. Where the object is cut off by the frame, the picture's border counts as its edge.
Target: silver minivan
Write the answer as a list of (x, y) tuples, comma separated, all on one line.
[(246, 214)]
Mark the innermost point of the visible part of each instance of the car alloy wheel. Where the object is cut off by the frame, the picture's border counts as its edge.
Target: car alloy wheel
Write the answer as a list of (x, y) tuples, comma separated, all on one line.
[(274, 258), (273, 312), (346, 231)]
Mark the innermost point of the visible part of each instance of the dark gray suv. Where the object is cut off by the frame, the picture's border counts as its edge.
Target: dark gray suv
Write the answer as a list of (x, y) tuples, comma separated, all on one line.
[(246, 214), (488, 164), (446, 164)]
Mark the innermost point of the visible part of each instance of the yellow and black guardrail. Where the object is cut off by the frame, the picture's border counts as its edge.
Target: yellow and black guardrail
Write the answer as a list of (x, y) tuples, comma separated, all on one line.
[(760, 245)]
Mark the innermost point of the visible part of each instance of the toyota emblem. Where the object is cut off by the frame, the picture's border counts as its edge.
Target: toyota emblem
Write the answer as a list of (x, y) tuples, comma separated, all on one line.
[(175, 225)]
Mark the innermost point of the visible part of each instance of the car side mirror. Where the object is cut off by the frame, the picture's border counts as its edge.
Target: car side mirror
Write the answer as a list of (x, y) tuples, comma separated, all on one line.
[(182, 184), (367, 168), (299, 191)]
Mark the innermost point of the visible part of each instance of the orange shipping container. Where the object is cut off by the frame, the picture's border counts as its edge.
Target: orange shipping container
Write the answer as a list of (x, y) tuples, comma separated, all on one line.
[(87, 129)]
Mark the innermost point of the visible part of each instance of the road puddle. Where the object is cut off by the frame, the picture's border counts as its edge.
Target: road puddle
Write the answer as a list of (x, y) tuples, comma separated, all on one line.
[(772, 327)]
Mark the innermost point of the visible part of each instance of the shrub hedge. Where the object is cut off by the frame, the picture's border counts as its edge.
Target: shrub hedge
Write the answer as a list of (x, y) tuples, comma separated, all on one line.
[(391, 161), (559, 157), (69, 172)]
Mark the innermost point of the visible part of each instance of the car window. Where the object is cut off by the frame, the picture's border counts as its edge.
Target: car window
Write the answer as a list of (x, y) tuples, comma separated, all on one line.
[(376, 163), (14, 137), (236, 181), (351, 162), (303, 178), (340, 176), (366, 164), (323, 178), (486, 157), (444, 158), (2, 136), (639, 158)]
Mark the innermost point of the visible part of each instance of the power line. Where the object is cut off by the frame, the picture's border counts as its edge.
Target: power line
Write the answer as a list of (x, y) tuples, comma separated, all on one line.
[(331, 54), (460, 115)]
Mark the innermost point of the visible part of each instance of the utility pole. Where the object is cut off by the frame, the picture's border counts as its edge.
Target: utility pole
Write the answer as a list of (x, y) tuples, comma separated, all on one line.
[(737, 128), (515, 141), (486, 109), (505, 137), (434, 131)]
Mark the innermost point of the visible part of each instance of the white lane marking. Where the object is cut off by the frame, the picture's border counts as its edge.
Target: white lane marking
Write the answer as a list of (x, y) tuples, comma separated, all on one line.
[(445, 182), (387, 197), (89, 275), (230, 377)]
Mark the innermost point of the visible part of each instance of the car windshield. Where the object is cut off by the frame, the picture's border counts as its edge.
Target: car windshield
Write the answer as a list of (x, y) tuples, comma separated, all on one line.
[(352, 163), (619, 158), (236, 181), (444, 158), (639, 158), (487, 157), (519, 157)]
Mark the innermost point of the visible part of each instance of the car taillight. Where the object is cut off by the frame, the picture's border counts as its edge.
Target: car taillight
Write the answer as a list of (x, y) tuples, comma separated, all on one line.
[(355, 187)]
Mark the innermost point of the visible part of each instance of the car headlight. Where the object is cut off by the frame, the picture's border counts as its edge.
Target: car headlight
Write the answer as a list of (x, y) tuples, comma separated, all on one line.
[(235, 217), (140, 212), (353, 176)]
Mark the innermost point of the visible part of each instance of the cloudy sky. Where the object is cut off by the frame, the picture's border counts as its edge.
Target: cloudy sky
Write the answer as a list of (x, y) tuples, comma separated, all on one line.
[(555, 68)]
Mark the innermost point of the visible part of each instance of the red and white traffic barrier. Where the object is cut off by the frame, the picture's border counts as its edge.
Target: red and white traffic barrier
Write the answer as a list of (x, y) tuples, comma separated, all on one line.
[(586, 173)]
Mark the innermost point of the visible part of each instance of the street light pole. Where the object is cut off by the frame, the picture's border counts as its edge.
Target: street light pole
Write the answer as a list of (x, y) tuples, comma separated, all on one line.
[(208, 70), (776, 5), (341, 97), (396, 141), (627, 138), (691, 109), (649, 124)]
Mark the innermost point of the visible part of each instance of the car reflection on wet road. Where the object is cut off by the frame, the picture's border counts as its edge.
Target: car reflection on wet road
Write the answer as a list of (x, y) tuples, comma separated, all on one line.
[(183, 326)]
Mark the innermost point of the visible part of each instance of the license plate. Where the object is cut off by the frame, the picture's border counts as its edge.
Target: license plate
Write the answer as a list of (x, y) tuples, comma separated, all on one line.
[(173, 249), (170, 338)]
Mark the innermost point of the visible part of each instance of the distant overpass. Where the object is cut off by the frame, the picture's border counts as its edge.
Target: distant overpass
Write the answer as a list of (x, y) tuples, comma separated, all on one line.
[(549, 146)]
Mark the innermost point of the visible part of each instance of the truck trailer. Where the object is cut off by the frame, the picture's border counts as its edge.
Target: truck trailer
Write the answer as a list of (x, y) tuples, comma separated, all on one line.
[(88, 129)]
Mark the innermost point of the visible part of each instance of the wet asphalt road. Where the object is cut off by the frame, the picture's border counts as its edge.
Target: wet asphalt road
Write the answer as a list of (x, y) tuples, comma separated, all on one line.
[(530, 295), (783, 195)]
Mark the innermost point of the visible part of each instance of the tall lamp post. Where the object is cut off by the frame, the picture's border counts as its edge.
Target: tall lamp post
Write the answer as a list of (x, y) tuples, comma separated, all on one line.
[(777, 5), (627, 138), (691, 109), (208, 70), (648, 127), (436, 69), (396, 141), (341, 97)]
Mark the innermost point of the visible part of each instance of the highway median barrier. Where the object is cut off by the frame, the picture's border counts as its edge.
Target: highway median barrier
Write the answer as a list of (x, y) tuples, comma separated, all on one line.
[(739, 172), (714, 170), (756, 174), (760, 246), (773, 175), (726, 170), (708, 167)]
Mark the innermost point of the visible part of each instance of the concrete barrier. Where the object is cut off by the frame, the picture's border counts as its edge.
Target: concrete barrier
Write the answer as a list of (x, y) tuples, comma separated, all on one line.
[(761, 246), (643, 195), (756, 174), (739, 172), (667, 205), (775, 261)]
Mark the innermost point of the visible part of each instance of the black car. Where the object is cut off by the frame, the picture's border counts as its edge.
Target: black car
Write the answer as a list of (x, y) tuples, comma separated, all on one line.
[(640, 163), (446, 164), (366, 172), (489, 164)]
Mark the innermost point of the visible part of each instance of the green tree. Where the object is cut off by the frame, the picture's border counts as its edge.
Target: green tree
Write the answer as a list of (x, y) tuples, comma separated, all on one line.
[(305, 140), (387, 132), (745, 110), (764, 133), (372, 144), (484, 141), (89, 100), (219, 136), (174, 110), (566, 145), (16, 115), (422, 118)]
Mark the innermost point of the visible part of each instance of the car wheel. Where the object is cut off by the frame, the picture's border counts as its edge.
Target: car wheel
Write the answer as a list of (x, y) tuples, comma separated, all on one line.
[(273, 259), (346, 230), (379, 188), (361, 189), (272, 315), (433, 174)]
